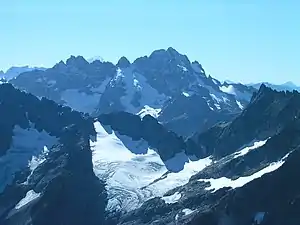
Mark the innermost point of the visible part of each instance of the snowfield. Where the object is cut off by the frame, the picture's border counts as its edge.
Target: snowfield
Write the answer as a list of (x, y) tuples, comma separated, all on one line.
[(131, 178), (216, 184)]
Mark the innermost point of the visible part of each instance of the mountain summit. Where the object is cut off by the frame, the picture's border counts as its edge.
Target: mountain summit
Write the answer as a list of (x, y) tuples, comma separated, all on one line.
[(159, 84)]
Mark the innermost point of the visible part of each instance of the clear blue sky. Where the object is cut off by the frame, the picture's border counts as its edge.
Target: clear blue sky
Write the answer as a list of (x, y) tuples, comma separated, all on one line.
[(251, 41)]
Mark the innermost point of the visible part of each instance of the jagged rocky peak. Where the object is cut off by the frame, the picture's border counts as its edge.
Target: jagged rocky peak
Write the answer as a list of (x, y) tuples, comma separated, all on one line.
[(197, 67), (267, 92), (170, 55), (123, 62), (77, 61), (60, 65)]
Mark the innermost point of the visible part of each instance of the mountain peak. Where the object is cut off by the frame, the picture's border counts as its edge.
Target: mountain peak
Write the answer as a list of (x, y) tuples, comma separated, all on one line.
[(290, 84), (173, 51), (123, 62), (76, 61)]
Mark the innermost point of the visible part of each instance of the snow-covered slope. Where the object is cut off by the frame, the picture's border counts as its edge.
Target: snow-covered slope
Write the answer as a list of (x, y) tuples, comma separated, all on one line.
[(133, 178)]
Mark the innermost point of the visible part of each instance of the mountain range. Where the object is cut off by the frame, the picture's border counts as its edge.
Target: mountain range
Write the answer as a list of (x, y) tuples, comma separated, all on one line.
[(165, 84), (155, 142), (15, 71), (288, 86)]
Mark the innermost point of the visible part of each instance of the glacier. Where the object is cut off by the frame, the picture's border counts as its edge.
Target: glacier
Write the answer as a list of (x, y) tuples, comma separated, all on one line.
[(131, 179)]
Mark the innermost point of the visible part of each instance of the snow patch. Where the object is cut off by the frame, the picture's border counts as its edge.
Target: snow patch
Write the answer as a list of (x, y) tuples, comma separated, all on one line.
[(217, 106), (187, 211), (36, 161), (147, 110), (228, 89), (245, 150), (183, 68), (171, 199), (30, 196), (215, 81), (186, 94), (26, 143), (172, 180), (215, 98), (238, 94), (136, 84), (216, 184), (239, 105)]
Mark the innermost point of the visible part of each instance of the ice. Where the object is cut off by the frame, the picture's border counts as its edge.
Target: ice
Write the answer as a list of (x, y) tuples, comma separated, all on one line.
[(245, 150), (26, 143), (30, 196), (132, 179), (216, 184), (147, 110), (171, 199)]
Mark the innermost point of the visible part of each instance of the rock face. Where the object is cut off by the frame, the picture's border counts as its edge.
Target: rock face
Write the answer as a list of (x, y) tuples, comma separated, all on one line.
[(253, 182), (268, 113), (60, 166), (46, 169), (163, 82), (165, 142)]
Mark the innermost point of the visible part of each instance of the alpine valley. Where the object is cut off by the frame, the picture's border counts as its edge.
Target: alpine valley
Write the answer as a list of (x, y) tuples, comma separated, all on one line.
[(156, 141)]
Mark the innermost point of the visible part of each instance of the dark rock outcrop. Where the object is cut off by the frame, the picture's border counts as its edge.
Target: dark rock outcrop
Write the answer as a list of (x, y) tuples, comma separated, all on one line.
[(63, 188)]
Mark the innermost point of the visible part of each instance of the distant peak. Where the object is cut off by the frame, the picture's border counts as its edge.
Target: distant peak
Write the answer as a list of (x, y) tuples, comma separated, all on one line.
[(172, 51), (290, 84), (163, 52), (60, 64), (123, 62), (76, 60)]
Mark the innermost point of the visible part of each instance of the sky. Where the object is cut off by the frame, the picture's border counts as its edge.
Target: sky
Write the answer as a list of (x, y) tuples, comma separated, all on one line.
[(240, 40)]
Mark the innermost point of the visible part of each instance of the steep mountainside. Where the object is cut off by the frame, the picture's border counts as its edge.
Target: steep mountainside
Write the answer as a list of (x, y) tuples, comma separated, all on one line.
[(249, 181), (269, 113), (165, 84), (46, 170), (130, 169)]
